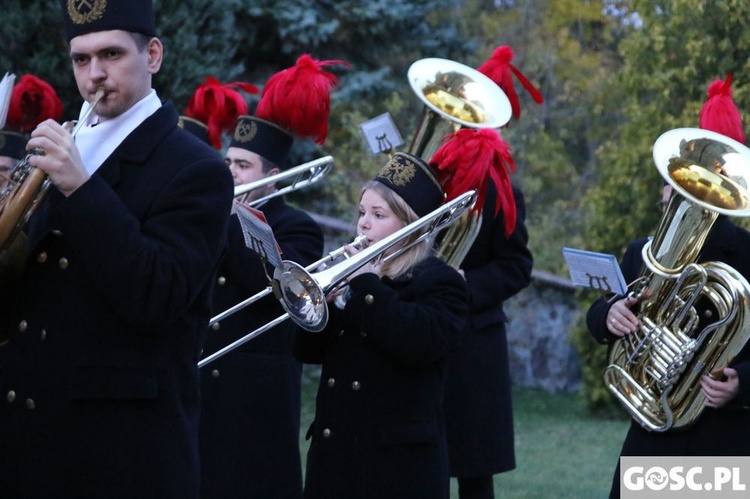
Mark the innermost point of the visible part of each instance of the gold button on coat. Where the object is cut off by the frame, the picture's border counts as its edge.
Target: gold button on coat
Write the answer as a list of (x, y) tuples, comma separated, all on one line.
[(356, 386), (331, 382), (41, 257), (215, 373), (63, 263), (43, 335), (221, 280), (23, 326), (57, 232), (30, 404), (11, 396), (326, 433), (369, 299), (215, 326)]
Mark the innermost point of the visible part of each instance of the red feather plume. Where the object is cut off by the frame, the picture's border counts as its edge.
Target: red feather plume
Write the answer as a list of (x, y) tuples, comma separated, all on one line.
[(499, 69), (298, 98), (468, 159), (719, 113), (33, 100), (218, 106)]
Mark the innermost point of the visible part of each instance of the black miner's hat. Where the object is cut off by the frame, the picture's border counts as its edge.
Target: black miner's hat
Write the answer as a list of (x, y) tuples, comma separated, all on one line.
[(87, 16), (414, 180)]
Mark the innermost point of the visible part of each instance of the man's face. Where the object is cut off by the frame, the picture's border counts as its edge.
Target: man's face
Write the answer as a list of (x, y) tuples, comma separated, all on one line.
[(246, 167), (6, 166), (111, 60)]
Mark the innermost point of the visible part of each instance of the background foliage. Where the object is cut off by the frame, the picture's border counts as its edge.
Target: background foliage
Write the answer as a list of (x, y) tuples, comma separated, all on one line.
[(615, 75)]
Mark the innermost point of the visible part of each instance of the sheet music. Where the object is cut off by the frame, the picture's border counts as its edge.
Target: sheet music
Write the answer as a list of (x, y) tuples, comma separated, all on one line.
[(598, 271), (258, 234), (380, 134), (6, 90)]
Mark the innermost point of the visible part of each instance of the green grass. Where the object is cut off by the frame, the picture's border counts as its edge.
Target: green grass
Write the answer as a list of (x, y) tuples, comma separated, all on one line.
[(561, 450)]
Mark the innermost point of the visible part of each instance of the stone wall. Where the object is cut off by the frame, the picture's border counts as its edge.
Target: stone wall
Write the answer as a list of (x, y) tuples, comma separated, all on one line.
[(540, 318)]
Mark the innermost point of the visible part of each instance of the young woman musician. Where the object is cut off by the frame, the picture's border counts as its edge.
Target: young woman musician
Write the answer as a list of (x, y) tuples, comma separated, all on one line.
[(378, 429)]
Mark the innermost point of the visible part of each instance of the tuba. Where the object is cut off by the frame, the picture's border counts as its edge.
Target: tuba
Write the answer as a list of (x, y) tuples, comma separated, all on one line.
[(655, 372), (454, 96)]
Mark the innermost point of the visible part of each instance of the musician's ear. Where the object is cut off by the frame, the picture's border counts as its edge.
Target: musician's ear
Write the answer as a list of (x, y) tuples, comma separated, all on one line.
[(155, 52)]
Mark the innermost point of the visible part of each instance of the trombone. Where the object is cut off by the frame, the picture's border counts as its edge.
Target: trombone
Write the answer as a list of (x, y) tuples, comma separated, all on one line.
[(301, 175), (359, 242), (304, 295)]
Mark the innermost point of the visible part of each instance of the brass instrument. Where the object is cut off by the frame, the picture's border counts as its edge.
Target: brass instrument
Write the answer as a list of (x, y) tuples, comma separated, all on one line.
[(27, 188), (300, 176), (359, 243), (655, 371), (454, 96), (304, 296)]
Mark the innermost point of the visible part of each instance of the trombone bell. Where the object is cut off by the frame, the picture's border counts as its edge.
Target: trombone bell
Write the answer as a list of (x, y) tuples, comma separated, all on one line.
[(303, 298)]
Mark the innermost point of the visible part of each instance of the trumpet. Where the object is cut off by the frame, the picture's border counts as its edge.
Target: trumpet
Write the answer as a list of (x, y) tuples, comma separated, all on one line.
[(359, 242), (301, 176), (28, 187)]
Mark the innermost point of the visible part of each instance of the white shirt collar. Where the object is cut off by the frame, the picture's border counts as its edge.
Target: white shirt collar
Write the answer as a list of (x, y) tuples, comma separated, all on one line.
[(96, 142)]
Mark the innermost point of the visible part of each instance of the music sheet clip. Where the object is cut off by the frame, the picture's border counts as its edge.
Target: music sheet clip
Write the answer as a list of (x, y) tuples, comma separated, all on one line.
[(598, 271), (380, 134), (258, 234)]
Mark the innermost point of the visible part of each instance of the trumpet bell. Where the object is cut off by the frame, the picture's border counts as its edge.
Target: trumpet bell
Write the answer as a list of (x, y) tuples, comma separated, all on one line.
[(707, 168), (459, 93)]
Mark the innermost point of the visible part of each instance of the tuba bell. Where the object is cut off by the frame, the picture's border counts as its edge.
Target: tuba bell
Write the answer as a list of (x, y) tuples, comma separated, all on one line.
[(454, 96), (655, 372)]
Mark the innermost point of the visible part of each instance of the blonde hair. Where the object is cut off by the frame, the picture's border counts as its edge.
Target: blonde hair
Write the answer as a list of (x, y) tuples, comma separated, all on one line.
[(406, 260)]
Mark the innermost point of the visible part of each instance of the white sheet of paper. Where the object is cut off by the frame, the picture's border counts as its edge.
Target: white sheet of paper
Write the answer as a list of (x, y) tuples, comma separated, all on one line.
[(258, 234), (380, 134), (598, 271), (6, 90)]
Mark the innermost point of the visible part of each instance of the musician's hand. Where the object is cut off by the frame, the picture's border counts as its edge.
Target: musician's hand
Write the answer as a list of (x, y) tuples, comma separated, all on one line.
[(61, 160), (720, 392), (620, 319)]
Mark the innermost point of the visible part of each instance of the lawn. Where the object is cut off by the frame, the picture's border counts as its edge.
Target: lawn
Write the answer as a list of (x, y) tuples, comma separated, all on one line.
[(561, 451)]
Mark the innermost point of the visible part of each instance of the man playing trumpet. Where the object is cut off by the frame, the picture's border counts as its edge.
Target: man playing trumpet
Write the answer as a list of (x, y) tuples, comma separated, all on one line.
[(100, 390)]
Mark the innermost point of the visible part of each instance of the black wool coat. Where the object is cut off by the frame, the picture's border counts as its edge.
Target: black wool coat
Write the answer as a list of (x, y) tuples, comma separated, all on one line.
[(478, 406), (100, 389), (249, 435), (378, 429), (717, 432)]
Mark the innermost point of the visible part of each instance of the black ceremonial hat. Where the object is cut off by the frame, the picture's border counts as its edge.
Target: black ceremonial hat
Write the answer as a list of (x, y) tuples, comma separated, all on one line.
[(264, 138), (195, 127), (12, 144), (414, 180), (86, 16)]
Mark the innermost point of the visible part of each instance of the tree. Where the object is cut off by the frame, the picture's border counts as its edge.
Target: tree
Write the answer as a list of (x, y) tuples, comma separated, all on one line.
[(199, 38), (678, 48)]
